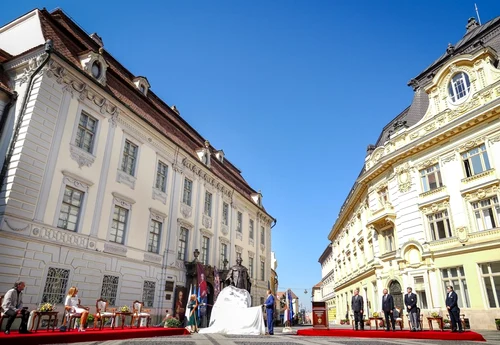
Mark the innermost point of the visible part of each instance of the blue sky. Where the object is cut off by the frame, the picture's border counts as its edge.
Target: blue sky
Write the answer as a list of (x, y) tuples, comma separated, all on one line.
[(292, 90)]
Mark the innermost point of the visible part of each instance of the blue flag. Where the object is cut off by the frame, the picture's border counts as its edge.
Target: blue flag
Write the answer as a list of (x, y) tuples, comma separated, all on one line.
[(290, 307)]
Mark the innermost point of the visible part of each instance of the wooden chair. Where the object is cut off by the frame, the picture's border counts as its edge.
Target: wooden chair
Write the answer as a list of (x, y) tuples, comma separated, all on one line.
[(102, 314), (2, 313), (462, 320), (400, 320), (421, 321), (140, 313)]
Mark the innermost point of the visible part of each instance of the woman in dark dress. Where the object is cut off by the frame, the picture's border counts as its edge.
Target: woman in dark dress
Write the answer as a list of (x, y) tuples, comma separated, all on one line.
[(193, 306)]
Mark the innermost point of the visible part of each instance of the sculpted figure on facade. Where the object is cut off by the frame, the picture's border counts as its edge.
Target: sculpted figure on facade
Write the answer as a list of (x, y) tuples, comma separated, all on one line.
[(238, 276)]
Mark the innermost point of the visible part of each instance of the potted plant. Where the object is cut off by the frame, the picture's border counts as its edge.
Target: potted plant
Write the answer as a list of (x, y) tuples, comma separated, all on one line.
[(375, 314), (434, 314), (447, 324), (46, 307), (125, 309), (497, 322), (342, 322), (172, 323), (90, 320)]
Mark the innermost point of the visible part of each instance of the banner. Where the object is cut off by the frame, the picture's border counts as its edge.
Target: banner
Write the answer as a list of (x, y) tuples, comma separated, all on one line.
[(202, 291), (216, 284), (181, 299)]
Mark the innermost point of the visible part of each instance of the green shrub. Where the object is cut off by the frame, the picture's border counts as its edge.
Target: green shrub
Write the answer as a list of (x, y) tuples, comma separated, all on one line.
[(173, 323)]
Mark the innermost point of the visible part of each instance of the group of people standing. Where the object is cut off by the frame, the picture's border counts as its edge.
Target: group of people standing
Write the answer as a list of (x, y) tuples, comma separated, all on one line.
[(392, 313)]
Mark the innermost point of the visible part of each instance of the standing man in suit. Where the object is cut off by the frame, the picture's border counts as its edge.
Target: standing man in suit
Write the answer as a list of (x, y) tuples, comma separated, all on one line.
[(270, 312), (357, 308), (453, 309), (411, 308), (388, 308)]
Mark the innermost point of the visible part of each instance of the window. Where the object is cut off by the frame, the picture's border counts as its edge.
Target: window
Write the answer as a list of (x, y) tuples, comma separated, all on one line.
[(262, 236), (86, 132), (161, 177), (383, 196), (70, 209), (476, 161), (250, 266), (183, 238), (129, 158), (188, 188), (154, 236), (250, 229), (208, 204), (491, 278), (205, 245), (56, 286), (148, 293), (459, 86), (223, 254), (439, 225), (119, 225), (225, 213), (262, 270), (455, 277), (238, 255), (421, 299), (431, 178), (109, 289), (239, 222), (486, 212), (390, 244)]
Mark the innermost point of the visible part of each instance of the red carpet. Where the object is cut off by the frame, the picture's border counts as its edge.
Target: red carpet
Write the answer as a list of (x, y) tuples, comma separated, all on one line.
[(44, 337), (437, 335)]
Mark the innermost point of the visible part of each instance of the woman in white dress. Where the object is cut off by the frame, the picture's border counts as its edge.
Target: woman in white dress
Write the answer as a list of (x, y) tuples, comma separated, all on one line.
[(72, 305)]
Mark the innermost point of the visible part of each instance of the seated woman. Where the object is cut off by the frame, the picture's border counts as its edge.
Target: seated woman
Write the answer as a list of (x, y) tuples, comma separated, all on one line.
[(71, 305)]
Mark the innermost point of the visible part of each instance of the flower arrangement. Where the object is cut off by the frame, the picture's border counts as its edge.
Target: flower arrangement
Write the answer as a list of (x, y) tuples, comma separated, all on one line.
[(46, 307), (375, 314), (125, 309), (435, 314)]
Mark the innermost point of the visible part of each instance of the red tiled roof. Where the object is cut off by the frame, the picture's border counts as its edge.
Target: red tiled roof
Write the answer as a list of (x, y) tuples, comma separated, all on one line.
[(320, 284), (281, 293), (71, 41)]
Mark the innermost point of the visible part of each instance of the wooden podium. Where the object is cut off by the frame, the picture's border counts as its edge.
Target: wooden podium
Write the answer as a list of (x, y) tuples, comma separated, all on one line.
[(320, 315)]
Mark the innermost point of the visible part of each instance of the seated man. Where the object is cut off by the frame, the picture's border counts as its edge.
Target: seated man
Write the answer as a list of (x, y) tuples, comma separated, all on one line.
[(13, 306)]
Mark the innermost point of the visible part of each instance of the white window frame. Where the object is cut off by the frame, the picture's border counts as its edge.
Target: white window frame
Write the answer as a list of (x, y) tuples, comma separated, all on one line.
[(225, 213), (81, 156), (494, 206), (187, 199), (239, 221), (433, 170), (205, 249), (262, 235), (83, 185), (186, 243), (223, 254), (123, 202), (162, 188), (156, 216), (445, 219), (463, 292), (490, 275), (85, 131), (123, 176), (251, 266), (65, 285), (452, 88), (115, 291), (207, 210), (251, 229), (467, 156), (147, 291), (262, 270), (134, 157)]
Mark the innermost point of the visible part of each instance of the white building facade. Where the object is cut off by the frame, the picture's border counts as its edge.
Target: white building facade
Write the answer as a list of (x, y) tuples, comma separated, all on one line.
[(424, 212), (105, 186)]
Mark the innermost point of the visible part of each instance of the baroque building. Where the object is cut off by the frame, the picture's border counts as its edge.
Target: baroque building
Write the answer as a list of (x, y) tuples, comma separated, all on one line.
[(324, 291), (104, 185), (424, 211)]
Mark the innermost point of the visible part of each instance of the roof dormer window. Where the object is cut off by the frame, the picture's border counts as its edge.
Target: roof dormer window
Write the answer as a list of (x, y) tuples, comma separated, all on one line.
[(142, 85), (95, 65), (459, 87)]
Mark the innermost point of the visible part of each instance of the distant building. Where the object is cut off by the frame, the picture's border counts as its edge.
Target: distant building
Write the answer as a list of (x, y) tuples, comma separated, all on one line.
[(424, 211), (326, 286), (104, 185)]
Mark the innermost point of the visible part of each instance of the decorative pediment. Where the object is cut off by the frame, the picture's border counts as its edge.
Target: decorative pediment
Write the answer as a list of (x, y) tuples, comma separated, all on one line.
[(95, 66), (142, 85)]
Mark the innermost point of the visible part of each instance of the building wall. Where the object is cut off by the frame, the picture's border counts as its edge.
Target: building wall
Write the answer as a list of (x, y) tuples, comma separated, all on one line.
[(46, 161), (364, 257)]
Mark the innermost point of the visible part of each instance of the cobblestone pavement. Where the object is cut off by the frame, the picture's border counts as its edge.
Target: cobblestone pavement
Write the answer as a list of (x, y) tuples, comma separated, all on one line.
[(492, 337)]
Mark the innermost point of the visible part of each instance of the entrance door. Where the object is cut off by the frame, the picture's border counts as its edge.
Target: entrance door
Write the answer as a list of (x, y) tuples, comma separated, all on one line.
[(397, 294)]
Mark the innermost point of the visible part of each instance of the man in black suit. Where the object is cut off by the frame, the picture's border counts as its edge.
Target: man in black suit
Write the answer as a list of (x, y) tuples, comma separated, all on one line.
[(411, 308), (357, 308), (388, 308), (453, 309)]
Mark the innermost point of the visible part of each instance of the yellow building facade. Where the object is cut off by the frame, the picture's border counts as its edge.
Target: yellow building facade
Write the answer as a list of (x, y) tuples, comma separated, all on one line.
[(424, 211)]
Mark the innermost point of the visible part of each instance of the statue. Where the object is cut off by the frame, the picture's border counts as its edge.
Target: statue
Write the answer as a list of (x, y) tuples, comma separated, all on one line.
[(238, 276)]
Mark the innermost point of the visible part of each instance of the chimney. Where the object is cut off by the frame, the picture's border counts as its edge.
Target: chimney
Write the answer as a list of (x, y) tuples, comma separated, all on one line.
[(97, 39)]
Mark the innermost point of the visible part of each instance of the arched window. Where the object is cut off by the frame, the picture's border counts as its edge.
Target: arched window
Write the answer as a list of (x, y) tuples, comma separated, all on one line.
[(459, 87)]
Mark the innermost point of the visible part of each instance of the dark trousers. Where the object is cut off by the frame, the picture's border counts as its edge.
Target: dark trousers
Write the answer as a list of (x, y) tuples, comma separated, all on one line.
[(389, 317), (25, 315), (454, 319), (270, 320), (358, 319)]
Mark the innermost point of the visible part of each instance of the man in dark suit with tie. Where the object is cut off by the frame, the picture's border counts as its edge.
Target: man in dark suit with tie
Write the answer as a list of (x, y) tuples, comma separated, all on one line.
[(453, 309), (357, 308), (411, 308), (388, 309)]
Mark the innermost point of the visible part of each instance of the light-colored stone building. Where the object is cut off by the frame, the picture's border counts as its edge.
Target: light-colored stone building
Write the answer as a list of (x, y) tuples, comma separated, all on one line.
[(326, 288), (104, 185), (424, 211)]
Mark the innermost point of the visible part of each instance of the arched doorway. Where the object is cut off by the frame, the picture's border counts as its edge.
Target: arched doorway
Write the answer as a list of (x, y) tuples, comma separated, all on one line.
[(397, 294)]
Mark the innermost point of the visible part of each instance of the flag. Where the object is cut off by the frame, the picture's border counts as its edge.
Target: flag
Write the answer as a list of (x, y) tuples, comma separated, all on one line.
[(290, 304), (188, 311), (202, 291), (216, 284)]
